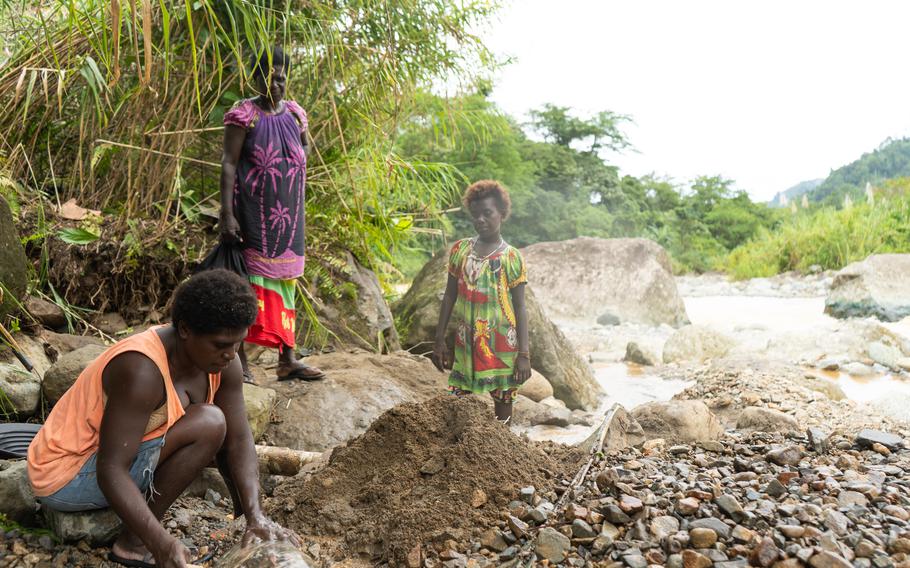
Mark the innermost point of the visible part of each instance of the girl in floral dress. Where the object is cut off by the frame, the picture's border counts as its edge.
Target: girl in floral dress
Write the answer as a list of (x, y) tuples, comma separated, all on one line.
[(485, 293), (263, 180)]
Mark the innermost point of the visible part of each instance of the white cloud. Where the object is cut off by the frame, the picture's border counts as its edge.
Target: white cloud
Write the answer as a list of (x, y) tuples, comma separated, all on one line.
[(768, 93)]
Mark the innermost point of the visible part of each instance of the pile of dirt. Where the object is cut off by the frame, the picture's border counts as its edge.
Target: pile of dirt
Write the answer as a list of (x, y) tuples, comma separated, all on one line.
[(423, 473)]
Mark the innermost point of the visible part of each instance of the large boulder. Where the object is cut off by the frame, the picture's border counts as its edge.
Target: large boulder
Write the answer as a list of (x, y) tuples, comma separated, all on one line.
[(66, 370), (21, 390), (259, 402), (537, 387), (696, 343), (878, 286), (585, 277), (678, 421), (319, 415), (13, 262), (17, 502), (758, 419), (551, 353), (99, 527)]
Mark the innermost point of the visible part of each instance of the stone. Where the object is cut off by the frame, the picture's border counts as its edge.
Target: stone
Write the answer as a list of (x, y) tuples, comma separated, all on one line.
[(904, 363), (21, 388), (897, 512), (880, 449), (792, 531), (857, 369), (615, 515), (552, 355), (551, 545), (259, 402), (742, 534), (414, 558), (775, 488), (867, 437), (825, 559), (765, 553), (608, 319), (629, 504), (536, 388), (818, 439), (478, 498), (696, 343), (13, 262), (873, 287), (663, 526), (823, 385), (702, 538), (836, 521), (730, 506), (635, 561), (757, 419), (641, 285), (900, 545), (851, 499), (678, 421), (885, 355), (687, 506), (864, 549), (62, 374), (789, 455), (17, 502), (610, 530), (641, 354), (98, 527), (47, 313), (721, 528), (111, 323), (520, 528), (581, 529), (692, 559), (622, 432), (492, 539)]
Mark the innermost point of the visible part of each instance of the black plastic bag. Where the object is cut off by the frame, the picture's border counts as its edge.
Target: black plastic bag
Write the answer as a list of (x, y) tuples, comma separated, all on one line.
[(227, 256)]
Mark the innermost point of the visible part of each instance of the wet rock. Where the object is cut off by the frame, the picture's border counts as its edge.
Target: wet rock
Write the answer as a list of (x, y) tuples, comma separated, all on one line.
[(867, 437), (22, 389), (757, 419), (61, 376), (552, 545), (641, 354), (764, 554), (789, 455), (702, 538), (678, 421), (99, 527), (696, 343)]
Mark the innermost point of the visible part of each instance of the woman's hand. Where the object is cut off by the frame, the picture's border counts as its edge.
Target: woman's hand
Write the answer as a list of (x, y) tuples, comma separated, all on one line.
[(440, 356), (230, 229), (522, 368), (265, 529), (171, 554)]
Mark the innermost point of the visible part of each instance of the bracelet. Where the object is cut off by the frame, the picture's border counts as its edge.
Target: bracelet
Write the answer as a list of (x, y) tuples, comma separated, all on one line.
[(525, 353)]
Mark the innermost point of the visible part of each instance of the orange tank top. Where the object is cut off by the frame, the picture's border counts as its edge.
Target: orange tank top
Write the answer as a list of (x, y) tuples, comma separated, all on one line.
[(70, 434)]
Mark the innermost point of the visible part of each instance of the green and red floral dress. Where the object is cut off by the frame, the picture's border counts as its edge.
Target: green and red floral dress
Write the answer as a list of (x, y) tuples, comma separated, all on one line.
[(486, 334)]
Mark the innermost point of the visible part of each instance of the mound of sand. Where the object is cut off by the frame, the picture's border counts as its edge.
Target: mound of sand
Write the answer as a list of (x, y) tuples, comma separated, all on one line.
[(418, 475)]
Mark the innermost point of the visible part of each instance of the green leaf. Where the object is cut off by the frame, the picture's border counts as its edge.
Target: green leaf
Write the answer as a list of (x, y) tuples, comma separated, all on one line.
[(77, 236)]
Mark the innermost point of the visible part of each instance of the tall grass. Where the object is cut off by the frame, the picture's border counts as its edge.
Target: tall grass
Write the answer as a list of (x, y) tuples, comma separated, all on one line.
[(828, 238)]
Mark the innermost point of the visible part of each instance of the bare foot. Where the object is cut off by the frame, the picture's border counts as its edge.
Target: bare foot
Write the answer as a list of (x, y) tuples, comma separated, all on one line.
[(130, 547)]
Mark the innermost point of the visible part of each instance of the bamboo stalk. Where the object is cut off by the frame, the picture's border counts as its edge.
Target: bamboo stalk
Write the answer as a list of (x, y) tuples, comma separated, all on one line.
[(156, 152)]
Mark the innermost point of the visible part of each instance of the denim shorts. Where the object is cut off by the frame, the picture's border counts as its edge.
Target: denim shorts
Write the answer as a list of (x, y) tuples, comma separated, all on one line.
[(83, 493)]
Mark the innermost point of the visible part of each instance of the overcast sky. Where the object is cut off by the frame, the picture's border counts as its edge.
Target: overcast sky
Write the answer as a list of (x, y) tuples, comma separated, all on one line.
[(767, 93)]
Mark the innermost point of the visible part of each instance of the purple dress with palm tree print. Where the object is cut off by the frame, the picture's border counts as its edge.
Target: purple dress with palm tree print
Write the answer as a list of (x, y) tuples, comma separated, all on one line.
[(270, 187)]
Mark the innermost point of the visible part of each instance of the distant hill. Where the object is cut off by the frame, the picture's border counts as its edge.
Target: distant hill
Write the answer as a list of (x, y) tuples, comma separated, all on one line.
[(783, 198), (890, 160)]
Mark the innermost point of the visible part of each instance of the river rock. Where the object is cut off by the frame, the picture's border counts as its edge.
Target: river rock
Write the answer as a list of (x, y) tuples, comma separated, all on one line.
[(13, 262), (551, 353), (99, 527), (663, 526), (22, 389), (608, 319), (259, 402), (641, 354), (536, 388), (696, 343), (757, 419), (678, 421), (718, 526), (878, 286), (66, 370), (17, 502), (630, 278), (857, 369), (786, 456), (825, 559), (702, 538), (867, 437), (552, 545), (47, 313), (885, 355), (826, 386)]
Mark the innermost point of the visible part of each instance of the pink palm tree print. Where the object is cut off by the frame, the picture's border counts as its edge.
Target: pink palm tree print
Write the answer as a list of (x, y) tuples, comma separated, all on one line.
[(296, 171), (280, 217), (265, 163)]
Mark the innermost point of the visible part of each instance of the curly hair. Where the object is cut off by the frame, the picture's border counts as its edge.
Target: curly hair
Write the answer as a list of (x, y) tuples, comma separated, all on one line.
[(260, 64), (489, 188), (214, 300)]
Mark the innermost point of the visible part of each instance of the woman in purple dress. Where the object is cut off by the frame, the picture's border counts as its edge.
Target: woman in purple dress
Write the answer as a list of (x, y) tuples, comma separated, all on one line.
[(263, 180)]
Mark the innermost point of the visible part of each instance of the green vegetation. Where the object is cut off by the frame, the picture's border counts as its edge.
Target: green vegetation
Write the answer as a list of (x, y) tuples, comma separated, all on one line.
[(563, 186), (829, 238), (890, 160)]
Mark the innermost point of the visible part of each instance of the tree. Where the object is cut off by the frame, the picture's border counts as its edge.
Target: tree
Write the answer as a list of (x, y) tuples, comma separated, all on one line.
[(601, 131)]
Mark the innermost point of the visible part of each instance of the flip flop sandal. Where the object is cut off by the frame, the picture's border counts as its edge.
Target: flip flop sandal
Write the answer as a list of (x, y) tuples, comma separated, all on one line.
[(15, 438), (302, 375)]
